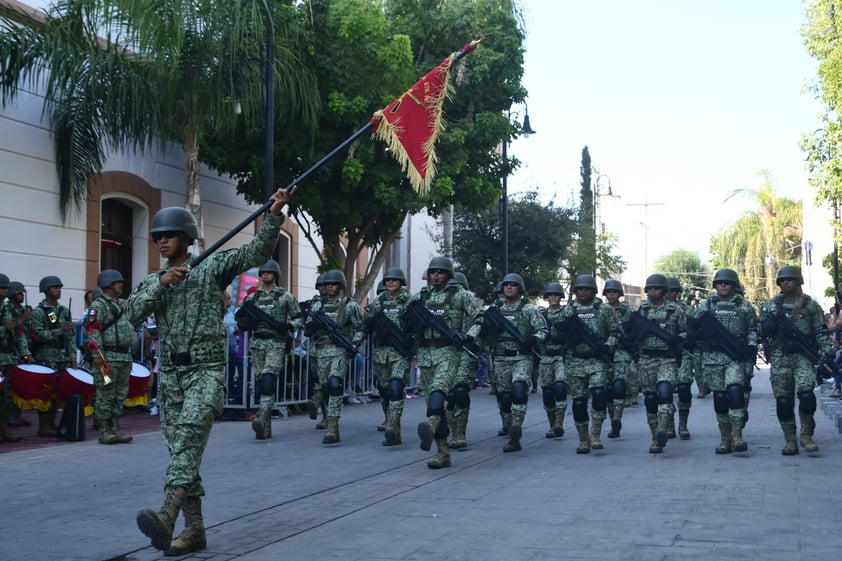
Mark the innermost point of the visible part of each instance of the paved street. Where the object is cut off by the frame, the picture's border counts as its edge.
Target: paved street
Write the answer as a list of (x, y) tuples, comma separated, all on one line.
[(293, 498)]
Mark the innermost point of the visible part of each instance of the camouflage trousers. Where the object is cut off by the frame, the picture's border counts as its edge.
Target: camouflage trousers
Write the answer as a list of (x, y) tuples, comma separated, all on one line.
[(268, 357), (508, 370), (6, 394), (584, 375), (327, 366), (690, 368), (626, 371), (108, 403), (550, 371), (657, 369), (719, 375), (190, 398), (791, 374), (390, 365)]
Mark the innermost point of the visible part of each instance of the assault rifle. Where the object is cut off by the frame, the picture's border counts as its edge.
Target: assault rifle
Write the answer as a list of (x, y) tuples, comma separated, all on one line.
[(645, 327), (420, 316), (335, 332), (499, 323), (794, 339), (576, 328), (256, 314), (715, 333), (392, 334)]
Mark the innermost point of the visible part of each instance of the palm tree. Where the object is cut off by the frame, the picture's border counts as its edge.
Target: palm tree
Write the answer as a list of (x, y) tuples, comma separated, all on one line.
[(761, 241), (128, 75)]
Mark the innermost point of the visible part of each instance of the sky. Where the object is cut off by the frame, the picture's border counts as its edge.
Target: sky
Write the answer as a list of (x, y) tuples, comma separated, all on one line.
[(680, 103)]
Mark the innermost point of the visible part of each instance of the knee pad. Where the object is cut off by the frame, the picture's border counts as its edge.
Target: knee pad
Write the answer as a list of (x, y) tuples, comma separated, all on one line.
[(462, 396), (396, 389), (385, 398), (785, 408), (619, 389), (548, 397), (335, 387), (599, 399), (580, 410), (504, 401), (442, 430), (685, 394), (650, 401), (806, 402), (560, 389), (435, 406), (736, 396), (664, 390), (609, 392), (267, 384), (450, 402), (720, 403), (520, 392)]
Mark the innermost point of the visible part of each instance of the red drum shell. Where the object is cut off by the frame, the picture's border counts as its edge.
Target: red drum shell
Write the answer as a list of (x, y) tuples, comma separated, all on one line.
[(76, 380), (32, 386), (138, 382)]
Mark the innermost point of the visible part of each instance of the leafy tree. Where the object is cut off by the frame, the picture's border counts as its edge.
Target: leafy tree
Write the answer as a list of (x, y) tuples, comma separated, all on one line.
[(760, 242), (127, 75), (540, 237), (358, 202), (584, 259), (687, 267)]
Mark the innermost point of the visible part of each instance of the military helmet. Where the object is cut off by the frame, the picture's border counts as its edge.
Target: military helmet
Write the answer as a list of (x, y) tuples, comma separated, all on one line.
[(175, 219), (440, 262), (726, 275), (673, 284), (381, 286), (613, 284), (498, 288), (789, 272), (108, 277), (656, 281), (270, 266), (515, 278), (585, 281), (395, 273), (48, 282), (4, 281), (16, 288), (461, 280), (553, 288), (334, 276), (320, 280)]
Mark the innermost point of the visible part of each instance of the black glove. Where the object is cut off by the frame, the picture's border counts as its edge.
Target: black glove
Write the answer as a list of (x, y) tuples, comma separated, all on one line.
[(290, 327), (353, 351), (463, 338), (530, 343), (769, 327), (311, 327)]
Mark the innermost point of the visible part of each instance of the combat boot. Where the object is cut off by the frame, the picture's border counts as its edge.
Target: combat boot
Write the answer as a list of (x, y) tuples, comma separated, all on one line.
[(192, 538), (515, 432), (558, 427), (662, 433), (616, 423), (122, 438), (393, 431), (460, 427), (258, 427), (44, 428), (15, 419), (584, 438), (507, 423), (442, 457), (791, 446), (726, 446), (385, 424), (6, 436), (655, 447), (427, 431), (596, 433), (739, 444), (670, 426), (683, 432), (332, 431), (267, 424), (106, 434), (808, 426), (158, 526), (551, 418)]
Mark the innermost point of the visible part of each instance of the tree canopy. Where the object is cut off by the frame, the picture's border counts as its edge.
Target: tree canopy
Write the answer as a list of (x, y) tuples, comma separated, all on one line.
[(687, 267)]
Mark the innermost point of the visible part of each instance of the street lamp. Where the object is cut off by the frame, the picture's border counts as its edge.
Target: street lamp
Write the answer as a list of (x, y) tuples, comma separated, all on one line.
[(526, 130)]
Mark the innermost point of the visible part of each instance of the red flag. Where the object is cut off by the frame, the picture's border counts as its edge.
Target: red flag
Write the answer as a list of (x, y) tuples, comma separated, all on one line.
[(411, 124)]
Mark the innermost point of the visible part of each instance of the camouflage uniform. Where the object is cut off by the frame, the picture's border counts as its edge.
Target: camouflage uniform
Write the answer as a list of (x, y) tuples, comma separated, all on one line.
[(624, 375), (52, 348), (587, 375), (725, 375), (13, 347), (552, 378), (391, 365), (192, 350), (793, 374), (109, 329), (332, 358), (439, 361), (690, 365), (269, 348)]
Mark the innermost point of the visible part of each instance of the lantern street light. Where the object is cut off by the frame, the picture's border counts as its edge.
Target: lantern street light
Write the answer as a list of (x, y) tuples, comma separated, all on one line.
[(526, 130)]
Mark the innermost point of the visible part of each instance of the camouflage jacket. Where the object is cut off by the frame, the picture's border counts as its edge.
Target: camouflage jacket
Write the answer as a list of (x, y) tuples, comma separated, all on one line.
[(455, 306), (392, 309), (737, 316), (599, 321), (809, 320), (50, 345), (13, 342), (189, 314), (626, 346), (346, 314), (526, 318), (550, 347), (108, 327), (282, 306)]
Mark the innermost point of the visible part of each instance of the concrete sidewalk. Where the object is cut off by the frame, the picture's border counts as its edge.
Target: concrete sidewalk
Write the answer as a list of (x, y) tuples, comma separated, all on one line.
[(293, 498)]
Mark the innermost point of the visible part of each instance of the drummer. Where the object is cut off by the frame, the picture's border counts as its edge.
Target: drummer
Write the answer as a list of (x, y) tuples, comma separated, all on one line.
[(109, 341), (12, 345), (20, 314), (53, 342)]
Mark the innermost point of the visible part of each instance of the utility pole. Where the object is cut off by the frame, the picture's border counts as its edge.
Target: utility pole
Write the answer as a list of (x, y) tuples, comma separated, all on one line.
[(645, 225)]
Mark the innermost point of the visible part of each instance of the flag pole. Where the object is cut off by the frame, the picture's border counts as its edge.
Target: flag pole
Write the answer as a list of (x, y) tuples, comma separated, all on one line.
[(266, 206)]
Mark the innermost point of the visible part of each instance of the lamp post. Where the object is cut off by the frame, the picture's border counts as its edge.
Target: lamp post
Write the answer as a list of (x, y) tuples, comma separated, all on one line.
[(504, 201)]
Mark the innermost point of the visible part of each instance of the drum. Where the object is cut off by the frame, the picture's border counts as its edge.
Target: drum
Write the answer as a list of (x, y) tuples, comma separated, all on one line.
[(32, 386), (138, 382), (76, 380)]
